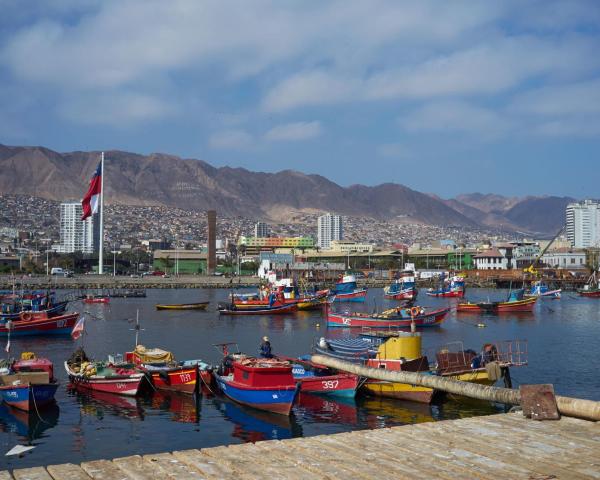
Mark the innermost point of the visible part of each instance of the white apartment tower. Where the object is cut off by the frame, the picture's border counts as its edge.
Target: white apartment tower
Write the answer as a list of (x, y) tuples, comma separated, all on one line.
[(261, 230), (75, 235), (329, 228), (583, 224)]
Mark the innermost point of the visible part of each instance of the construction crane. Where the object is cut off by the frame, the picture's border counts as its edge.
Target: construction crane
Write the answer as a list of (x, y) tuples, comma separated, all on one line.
[(531, 268)]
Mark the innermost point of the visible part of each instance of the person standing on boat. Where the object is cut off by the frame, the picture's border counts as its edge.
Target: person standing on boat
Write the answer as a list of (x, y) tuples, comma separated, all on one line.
[(265, 348)]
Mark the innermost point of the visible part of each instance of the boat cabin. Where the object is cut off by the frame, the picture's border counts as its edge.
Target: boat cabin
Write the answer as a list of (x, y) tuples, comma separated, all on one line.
[(267, 373), (35, 365)]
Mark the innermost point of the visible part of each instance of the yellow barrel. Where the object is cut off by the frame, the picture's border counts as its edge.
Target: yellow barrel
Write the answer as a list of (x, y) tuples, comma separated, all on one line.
[(407, 346)]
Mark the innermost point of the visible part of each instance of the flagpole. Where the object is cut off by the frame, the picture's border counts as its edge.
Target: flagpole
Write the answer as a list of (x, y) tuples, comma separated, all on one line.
[(101, 241)]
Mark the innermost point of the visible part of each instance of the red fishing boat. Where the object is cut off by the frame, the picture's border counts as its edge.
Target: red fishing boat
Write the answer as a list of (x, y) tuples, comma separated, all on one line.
[(265, 384), (39, 323), (319, 379), (102, 376), (395, 317), (96, 299), (168, 374), (591, 289)]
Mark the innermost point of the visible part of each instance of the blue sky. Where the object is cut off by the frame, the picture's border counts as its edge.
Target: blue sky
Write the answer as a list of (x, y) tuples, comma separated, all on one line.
[(444, 97)]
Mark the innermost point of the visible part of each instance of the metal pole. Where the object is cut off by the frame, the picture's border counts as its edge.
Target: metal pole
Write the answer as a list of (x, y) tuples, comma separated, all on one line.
[(47, 260), (101, 240)]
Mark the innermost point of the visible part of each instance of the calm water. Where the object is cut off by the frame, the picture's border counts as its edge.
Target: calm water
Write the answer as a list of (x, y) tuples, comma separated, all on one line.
[(562, 342)]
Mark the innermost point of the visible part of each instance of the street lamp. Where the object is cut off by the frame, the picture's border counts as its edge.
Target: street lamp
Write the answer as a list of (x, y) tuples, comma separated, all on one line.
[(114, 252)]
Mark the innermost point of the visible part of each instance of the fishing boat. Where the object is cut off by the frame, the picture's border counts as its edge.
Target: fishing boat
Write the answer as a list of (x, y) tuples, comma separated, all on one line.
[(592, 288), (183, 306), (541, 290), (102, 376), (394, 317), (168, 374), (453, 287), (96, 299), (515, 303), (39, 323), (484, 368), (346, 290), (400, 353), (29, 383), (14, 311), (264, 384), (322, 380), (231, 309), (404, 288)]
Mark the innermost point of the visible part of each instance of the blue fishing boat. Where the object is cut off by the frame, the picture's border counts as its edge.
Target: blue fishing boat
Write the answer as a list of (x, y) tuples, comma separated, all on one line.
[(452, 287), (13, 312), (28, 384), (346, 290), (404, 288), (264, 384), (540, 289)]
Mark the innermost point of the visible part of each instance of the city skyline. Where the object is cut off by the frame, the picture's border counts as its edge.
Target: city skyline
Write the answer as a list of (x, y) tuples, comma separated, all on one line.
[(495, 98)]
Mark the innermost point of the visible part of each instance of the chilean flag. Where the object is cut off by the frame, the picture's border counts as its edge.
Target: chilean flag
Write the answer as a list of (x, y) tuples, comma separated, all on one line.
[(78, 328), (92, 198)]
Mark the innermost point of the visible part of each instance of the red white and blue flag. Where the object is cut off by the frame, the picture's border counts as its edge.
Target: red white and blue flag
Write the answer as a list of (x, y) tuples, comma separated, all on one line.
[(91, 201), (78, 328)]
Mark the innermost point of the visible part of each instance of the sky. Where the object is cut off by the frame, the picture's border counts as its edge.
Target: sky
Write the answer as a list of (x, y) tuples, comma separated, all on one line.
[(445, 97)]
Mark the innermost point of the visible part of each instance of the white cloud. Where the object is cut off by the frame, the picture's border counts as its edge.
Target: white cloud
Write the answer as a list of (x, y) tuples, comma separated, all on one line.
[(231, 140), (394, 150), (575, 98), (454, 116), (117, 109), (294, 131)]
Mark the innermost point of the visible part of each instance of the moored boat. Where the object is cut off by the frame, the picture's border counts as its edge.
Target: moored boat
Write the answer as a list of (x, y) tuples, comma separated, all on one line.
[(453, 287), (168, 374), (96, 299), (12, 312), (102, 376), (183, 306), (591, 289), (346, 290), (395, 317), (540, 289), (264, 384), (322, 380), (404, 288), (230, 309), (29, 383), (39, 323), (515, 303)]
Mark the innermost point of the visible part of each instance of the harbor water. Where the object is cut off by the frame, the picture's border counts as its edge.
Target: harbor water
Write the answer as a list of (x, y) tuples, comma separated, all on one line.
[(562, 350)]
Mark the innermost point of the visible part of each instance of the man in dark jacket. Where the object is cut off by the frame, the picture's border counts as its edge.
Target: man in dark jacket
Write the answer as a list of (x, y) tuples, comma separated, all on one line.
[(265, 348)]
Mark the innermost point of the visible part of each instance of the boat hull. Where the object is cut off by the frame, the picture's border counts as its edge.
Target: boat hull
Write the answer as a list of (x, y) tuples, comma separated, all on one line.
[(589, 293), (260, 311), (53, 311), (182, 380), (60, 325), (275, 400), (125, 385), (188, 306), (526, 305), (28, 397), (97, 300), (404, 295), (431, 319), (356, 296), (340, 385), (399, 391), (451, 294)]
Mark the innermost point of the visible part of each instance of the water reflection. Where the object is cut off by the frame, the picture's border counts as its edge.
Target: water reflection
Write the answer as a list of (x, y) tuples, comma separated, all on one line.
[(180, 407), (101, 404), (326, 409), (252, 425), (28, 425)]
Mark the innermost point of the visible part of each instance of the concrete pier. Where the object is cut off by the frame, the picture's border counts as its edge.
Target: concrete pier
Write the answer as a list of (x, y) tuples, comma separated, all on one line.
[(505, 446)]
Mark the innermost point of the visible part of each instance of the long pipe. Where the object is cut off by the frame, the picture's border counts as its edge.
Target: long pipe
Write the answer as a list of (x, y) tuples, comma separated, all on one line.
[(571, 407)]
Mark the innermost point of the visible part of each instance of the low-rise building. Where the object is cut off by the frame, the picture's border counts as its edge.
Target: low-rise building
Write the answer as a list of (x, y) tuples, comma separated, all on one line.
[(180, 262), (350, 247), (255, 245), (491, 259), (565, 258)]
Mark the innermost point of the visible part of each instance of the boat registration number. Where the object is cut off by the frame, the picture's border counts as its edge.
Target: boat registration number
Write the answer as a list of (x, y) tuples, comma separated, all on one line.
[(330, 384), (185, 377)]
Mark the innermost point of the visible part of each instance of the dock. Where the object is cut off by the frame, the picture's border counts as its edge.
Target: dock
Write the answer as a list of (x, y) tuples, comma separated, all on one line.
[(503, 446)]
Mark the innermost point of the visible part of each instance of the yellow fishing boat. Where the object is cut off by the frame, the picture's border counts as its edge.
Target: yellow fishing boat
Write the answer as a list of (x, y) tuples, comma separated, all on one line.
[(400, 353), (183, 306)]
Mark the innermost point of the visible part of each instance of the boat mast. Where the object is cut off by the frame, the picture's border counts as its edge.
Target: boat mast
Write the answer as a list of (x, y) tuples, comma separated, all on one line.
[(101, 239)]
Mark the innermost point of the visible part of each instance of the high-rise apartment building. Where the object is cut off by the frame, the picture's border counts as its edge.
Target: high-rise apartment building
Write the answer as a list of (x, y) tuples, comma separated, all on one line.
[(329, 228), (261, 230), (583, 224), (76, 235)]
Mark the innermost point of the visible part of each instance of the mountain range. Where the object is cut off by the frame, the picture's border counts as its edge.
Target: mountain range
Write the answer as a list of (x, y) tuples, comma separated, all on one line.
[(161, 179)]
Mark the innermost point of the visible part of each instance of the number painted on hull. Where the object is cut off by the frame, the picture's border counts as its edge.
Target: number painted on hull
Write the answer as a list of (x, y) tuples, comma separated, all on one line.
[(185, 377), (330, 384)]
